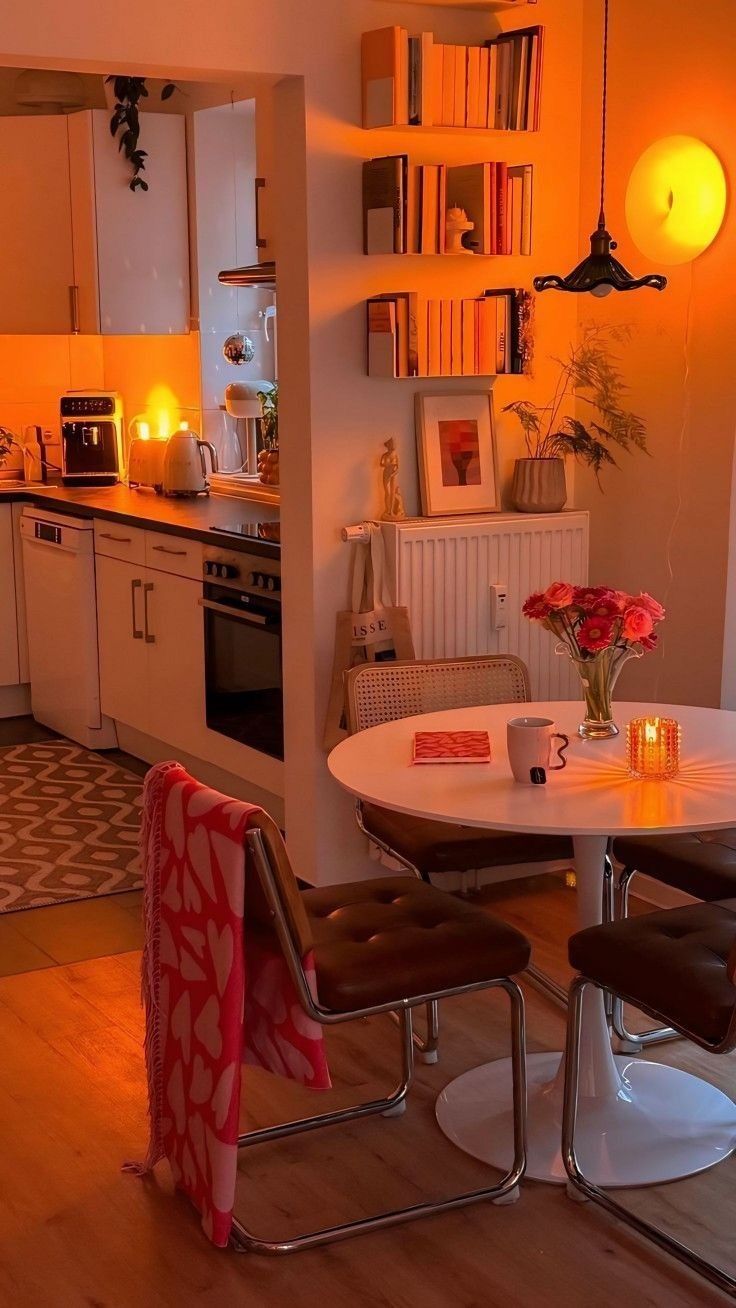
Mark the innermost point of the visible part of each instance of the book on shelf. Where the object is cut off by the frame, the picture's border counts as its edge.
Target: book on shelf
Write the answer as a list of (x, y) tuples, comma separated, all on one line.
[(385, 77), (410, 336), (417, 81), (405, 206), (385, 207)]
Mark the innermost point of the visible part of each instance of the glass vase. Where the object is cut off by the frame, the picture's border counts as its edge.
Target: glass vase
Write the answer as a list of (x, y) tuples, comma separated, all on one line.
[(598, 676)]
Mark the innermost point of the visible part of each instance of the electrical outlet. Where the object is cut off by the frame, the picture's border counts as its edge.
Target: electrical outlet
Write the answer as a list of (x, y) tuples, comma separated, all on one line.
[(499, 601)]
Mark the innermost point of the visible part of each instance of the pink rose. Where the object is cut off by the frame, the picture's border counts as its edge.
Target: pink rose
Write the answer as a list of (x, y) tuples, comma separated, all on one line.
[(536, 607), (652, 606), (559, 595), (595, 634), (638, 623)]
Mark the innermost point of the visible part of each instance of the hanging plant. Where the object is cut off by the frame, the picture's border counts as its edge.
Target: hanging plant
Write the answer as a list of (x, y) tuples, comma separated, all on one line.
[(129, 91)]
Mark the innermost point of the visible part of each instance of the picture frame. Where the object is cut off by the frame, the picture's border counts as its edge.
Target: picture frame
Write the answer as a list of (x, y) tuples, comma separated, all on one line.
[(456, 453)]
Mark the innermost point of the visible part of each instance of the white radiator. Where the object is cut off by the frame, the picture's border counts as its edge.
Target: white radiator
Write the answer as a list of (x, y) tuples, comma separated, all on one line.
[(443, 571)]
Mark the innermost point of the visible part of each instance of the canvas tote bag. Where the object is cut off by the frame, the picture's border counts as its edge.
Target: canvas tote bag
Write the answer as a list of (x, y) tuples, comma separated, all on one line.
[(371, 629)]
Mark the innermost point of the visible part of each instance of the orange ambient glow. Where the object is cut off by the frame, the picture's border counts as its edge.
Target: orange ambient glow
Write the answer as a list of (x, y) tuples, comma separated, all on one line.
[(653, 748)]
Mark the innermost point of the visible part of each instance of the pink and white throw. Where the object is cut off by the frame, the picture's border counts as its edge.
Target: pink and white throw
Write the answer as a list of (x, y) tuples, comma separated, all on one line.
[(211, 1002)]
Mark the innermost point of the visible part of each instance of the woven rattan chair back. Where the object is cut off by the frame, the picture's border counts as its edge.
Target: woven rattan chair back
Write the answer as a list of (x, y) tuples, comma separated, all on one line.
[(383, 692)]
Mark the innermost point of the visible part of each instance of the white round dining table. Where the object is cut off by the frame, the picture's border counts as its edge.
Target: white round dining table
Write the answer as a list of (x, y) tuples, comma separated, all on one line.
[(639, 1122)]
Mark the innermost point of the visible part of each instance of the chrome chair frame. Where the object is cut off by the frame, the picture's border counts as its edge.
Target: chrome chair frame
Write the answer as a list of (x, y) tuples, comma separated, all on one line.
[(588, 1188), (631, 1042), (505, 1191)]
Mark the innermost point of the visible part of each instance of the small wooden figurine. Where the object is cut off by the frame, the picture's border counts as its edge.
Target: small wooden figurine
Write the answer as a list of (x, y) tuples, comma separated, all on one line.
[(393, 500)]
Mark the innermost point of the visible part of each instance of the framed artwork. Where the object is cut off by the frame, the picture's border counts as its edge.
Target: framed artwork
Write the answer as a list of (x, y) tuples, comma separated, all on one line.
[(456, 451)]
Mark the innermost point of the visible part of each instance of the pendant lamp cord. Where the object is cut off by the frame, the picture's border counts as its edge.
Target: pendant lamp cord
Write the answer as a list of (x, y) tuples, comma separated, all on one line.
[(602, 217)]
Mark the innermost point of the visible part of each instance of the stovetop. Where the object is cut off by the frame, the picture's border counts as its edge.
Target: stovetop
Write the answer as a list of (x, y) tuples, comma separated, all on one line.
[(267, 534)]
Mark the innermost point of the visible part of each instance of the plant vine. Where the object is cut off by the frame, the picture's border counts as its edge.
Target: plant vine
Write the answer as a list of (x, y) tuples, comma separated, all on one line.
[(129, 91)]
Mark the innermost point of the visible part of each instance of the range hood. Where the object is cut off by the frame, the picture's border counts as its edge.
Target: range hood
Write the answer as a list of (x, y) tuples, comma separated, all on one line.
[(261, 276)]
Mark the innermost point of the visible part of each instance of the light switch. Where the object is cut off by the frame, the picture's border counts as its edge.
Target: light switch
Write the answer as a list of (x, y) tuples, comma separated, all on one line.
[(499, 599)]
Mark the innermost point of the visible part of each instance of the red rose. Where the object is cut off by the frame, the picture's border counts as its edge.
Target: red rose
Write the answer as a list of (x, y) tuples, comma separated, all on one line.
[(638, 623), (559, 595), (652, 606)]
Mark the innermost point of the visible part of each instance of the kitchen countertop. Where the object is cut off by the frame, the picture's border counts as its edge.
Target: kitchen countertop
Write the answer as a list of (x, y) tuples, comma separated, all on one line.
[(194, 517)]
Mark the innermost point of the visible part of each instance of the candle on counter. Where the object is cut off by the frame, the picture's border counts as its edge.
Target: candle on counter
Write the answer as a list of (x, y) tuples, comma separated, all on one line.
[(653, 748)]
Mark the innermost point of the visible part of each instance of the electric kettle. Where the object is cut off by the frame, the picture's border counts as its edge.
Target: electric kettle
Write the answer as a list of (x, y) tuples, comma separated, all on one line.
[(185, 469)]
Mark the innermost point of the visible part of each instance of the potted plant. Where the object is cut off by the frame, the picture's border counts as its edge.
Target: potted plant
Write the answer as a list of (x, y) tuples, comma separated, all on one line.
[(268, 457), (7, 444), (590, 383)]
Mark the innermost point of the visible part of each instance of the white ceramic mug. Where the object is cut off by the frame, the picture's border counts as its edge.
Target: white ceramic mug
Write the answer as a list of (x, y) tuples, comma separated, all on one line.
[(530, 745)]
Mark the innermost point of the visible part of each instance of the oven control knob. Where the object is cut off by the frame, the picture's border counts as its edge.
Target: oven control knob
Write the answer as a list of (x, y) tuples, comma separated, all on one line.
[(257, 580), (210, 569), (229, 571)]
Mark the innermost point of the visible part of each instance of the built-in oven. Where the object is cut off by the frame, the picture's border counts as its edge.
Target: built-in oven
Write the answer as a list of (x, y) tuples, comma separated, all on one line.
[(243, 678)]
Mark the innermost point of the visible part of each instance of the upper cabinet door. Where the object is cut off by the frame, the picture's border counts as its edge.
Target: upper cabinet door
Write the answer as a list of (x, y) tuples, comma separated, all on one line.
[(35, 226), (131, 248)]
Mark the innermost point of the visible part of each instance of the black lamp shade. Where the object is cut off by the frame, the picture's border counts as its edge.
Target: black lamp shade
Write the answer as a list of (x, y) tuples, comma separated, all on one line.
[(599, 269)]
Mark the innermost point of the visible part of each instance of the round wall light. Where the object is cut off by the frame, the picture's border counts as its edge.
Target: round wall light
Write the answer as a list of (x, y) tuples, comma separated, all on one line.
[(676, 199)]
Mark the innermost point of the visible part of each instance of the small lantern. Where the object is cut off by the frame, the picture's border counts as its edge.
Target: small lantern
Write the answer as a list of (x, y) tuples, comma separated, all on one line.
[(653, 748)]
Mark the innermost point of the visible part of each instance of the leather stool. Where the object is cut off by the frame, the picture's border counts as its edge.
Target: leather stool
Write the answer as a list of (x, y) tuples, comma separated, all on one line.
[(678, 966), (383, 946), (699, 863)]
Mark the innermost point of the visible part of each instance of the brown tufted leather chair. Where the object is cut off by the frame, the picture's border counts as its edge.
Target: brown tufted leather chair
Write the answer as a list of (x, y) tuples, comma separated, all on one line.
[(369, 941), (699, 863), (678, 966)]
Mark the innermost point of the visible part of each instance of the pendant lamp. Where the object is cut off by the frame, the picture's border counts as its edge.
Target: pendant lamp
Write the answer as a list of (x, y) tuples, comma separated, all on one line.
[(600, 272)]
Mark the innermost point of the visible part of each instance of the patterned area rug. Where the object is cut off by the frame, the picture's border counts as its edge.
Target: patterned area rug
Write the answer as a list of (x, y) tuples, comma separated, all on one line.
[(69, 824)]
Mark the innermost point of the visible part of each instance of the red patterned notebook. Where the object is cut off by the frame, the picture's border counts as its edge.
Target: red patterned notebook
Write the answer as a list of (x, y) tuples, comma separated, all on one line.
[(452, 747)]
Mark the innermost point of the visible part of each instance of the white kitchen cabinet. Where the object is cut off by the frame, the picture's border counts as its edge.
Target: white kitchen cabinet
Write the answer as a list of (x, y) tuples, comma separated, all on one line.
[(176, 697), (9, 661), (121, 641), (81, 251), (131, 248), (35, 226), (151, 643)]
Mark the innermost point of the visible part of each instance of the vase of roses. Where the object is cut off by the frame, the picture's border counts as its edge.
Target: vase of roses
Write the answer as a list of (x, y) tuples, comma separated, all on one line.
[(599, 629)]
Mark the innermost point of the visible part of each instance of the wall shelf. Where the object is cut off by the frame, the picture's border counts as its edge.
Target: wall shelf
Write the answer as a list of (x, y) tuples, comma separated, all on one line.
[(486, 6)]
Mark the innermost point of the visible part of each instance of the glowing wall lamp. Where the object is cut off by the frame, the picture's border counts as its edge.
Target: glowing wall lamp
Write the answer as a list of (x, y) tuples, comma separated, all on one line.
[(676, 199)]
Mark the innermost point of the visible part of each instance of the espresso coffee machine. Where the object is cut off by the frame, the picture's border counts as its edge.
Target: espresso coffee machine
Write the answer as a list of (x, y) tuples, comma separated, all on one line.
[(91, 438)]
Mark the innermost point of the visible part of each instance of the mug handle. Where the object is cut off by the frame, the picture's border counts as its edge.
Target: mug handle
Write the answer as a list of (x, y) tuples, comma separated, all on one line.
[(558, 735)]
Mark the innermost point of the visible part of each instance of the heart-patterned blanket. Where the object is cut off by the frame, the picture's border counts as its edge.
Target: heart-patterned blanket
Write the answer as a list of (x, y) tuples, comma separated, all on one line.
[(212, 1001)]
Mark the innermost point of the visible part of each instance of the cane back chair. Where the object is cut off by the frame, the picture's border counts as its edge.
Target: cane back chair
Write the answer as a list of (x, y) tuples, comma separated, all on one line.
[(384, 692)]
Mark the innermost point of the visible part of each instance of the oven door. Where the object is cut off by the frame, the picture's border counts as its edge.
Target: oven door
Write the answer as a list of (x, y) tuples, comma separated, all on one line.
[(243, 681)]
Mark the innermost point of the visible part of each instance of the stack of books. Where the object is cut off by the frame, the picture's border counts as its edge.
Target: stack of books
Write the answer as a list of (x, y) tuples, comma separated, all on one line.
[(405, 206), (415, 81), (409, 336)]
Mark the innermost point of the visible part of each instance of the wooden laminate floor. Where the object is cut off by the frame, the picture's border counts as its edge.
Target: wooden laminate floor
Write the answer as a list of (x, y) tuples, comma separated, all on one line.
[(77, 1233)]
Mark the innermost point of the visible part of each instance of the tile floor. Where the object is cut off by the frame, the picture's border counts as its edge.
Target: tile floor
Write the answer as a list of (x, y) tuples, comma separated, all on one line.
[(67, 933)]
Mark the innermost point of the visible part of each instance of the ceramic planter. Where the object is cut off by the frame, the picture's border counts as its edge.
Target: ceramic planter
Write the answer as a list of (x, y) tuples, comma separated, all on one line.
[(539, 486)]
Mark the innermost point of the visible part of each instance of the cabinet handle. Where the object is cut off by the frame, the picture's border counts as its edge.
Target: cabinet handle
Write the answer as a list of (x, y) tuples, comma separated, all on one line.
[(74, 308), (162, 549), (123, 540), (261, 241), (147, 588), (134, 586)]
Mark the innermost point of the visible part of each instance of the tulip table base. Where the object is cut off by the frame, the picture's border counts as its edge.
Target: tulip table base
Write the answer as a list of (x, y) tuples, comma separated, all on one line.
[(660, 1124), (639, 1123)]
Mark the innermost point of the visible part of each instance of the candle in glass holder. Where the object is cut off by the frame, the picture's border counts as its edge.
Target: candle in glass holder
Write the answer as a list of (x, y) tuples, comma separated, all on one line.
[(653, 748)]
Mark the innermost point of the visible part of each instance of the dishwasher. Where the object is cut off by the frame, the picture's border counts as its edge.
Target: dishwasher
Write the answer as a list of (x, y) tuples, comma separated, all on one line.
[(61, 603)]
